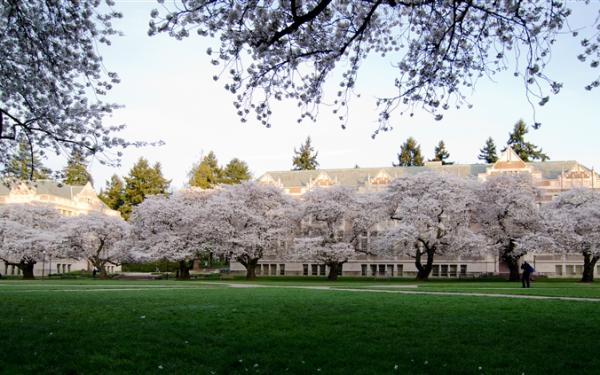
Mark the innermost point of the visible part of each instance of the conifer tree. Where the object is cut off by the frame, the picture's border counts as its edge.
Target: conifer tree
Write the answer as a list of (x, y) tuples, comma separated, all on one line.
[(114, 194), (142, 181), (25, 164), (76, 173), (527, 151), (488, 152), (304, 159), (410, 154), (441, 154), (235, 172), (207, 173)]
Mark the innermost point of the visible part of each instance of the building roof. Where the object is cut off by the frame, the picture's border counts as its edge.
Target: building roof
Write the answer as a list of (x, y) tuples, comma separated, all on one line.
[(49, 187)]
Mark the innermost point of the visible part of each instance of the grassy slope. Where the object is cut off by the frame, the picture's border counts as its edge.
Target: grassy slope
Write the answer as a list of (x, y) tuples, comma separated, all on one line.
[(206, 329)]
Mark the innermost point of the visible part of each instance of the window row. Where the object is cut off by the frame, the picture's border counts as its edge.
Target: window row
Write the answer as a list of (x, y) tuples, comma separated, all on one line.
[(270, 270)]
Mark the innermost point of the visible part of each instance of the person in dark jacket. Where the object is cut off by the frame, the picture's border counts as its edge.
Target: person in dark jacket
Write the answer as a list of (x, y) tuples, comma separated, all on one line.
[(526, 276)]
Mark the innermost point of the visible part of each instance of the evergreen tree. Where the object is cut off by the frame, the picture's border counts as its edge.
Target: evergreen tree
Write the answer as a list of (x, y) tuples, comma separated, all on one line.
[(142, 181), (235, 172), (410, 154), (304, 158), (114, 195), (527, 151), (207, 173), (25, 164), (441, 154), (76, 173), (488, 152)]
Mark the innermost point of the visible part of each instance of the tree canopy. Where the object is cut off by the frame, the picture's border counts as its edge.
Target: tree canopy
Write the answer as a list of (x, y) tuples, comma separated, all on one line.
[(441, 154), (76, 173), (410, 154), (305, 158), (25, 164), (143, 180), (488, 152), (439, 49), (52, 78), (207, 174), (527, 151)]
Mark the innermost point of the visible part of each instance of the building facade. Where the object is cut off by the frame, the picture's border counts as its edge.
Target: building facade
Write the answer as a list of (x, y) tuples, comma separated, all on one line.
[(550, 177), (69, 200)]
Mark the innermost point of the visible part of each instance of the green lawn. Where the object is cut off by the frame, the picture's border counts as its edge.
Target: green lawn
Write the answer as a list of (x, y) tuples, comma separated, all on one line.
[(167, 327)]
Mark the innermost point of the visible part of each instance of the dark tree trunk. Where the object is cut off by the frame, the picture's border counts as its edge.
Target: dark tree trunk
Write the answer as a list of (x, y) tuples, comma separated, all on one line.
[(513, 268), (589, 262), (27, 269), (334, 269), (251, 268), (184, 270), (423, 271)]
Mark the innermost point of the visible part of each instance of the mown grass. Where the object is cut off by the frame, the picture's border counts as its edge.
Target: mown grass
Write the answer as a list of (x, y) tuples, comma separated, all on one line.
[(102, 327)]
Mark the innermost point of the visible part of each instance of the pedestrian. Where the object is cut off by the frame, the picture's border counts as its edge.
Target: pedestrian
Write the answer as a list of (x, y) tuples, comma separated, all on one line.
[(526, 276)]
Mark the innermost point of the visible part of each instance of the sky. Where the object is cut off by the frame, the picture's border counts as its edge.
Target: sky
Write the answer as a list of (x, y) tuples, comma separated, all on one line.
[(168, 94)]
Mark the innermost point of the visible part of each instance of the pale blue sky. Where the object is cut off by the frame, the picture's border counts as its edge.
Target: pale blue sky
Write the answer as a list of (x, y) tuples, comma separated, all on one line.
[(168, 94)]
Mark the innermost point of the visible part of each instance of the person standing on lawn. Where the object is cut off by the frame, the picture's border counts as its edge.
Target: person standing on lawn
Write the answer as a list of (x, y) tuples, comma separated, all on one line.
[(527, 271)]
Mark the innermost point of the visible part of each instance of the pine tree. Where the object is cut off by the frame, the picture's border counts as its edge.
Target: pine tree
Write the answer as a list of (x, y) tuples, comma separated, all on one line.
[(25, 165), (488, 152), (304, 158), (207, 173), (527, 151), (410, 154), (76, 173), (142, 181), (114, 195), (441, 154), (235, 172)]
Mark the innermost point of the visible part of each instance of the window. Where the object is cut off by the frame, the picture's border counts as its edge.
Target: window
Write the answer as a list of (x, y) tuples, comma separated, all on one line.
[(373, 270), (266, 269), (444, 272), (463, 270), (363, 269), (570, 270), (258, 269), (363, 243), (305, 269), (322, 269), (273, 270), (339, 270), (68, 268), (579, 269), (382, 270), (558, 269), (436, 270), (453, 270), (282, 270), (313, 269), (400, 270), (390, 270)]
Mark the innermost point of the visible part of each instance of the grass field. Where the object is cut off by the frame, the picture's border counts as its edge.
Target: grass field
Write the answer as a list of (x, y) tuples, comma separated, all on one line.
[(293, 327)]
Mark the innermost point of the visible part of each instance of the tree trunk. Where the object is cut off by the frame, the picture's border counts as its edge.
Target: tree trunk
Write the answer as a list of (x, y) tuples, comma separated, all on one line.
[(423, 271), (27, 269), (334, 269), (184, 270), (513, 268), (589, 262), (251, 269)]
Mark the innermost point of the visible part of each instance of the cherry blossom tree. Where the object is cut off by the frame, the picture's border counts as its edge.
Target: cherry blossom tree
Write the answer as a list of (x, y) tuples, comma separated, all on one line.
[(177, 228), (572, 221), (99, 239), (507, 212), (251, 221), (431, 215), (28, 235), (275, 50), (52, 78), (335, 219)]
